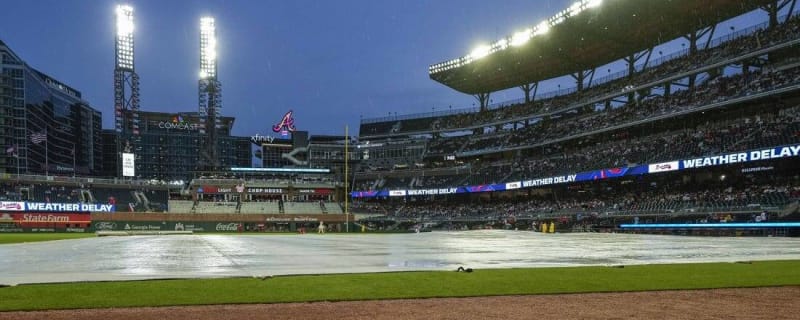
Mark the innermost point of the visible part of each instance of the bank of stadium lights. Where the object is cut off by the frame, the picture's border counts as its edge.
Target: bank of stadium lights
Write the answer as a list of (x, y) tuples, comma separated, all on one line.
[(542, 28), (517, 39), (125, 36), (480, 52), (124, 20), (593, 4), (521, 37), (575, 8), (208, 48)]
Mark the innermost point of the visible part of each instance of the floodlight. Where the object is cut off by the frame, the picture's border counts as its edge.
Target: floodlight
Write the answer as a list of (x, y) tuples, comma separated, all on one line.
[(501, 44), (208, 48), (480, 52), (575, 9), (124, 20), (542, 28), (593, 3), (211, 49), (124, 39), (521, 38)]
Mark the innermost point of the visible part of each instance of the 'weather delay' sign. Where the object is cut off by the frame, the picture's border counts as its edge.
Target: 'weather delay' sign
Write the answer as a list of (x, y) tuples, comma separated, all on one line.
[(69, 207)]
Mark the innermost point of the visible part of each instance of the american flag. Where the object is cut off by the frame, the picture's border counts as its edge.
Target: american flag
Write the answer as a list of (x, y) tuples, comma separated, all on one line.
[(39, 137)]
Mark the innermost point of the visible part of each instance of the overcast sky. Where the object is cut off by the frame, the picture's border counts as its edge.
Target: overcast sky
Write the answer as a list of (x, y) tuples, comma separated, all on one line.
[(332, 62)]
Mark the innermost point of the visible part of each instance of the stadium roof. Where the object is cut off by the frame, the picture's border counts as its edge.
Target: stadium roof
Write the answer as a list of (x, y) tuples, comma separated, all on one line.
[(600, 33)]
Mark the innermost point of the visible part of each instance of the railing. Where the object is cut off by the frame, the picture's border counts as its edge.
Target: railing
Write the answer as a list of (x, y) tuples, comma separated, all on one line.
[(601, 213), (10, 177), (420, 115)]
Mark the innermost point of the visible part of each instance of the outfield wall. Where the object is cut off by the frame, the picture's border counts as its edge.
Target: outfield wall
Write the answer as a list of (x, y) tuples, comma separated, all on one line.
[(213, 222), (84, 222)]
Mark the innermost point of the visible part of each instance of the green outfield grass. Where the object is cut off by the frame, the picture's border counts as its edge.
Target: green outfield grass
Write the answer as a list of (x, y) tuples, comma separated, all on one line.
[(34, 237), (399, 285)]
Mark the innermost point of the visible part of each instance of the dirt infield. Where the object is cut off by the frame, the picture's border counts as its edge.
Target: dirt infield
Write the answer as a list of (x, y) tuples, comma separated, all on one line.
[(755, 303)]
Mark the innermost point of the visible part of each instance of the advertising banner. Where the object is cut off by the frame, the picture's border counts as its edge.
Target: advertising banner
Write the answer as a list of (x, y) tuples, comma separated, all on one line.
[(602, 174), (318, 191), (663, 167), (12, 206), (364, 194), (50, 219), (264, 190), (128, 169), (513, 185), (195, 226)]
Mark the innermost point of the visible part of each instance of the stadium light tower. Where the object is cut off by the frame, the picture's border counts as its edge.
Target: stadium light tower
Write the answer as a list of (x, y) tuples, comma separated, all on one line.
[(126, 83), (210, 93)]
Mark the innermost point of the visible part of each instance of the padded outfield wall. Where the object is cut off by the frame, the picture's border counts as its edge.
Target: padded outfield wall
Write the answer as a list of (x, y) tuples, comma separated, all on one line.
[(84, 222), (214, 222)]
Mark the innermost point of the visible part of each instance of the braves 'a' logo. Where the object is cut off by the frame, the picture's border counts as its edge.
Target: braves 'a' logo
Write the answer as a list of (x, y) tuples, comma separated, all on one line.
[(286, 123)]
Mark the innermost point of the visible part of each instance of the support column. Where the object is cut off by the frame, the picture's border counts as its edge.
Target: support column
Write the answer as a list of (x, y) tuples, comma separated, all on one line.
[(695, 36), (710, 37), (745, 67), (633, 58), (692, 38), (527, 88), (483, 99), (630, 60), (772, 10), (580, 78)]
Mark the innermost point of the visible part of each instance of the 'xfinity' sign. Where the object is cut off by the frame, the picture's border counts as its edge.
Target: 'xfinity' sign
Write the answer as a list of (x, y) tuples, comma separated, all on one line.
[(259, 139)]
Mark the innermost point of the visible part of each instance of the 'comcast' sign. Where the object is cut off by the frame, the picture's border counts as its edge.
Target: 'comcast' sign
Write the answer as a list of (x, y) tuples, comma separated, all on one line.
[(177, 126)]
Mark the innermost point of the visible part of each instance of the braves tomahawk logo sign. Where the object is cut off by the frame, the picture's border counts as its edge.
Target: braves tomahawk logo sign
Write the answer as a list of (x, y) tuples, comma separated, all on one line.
[(286, 124)]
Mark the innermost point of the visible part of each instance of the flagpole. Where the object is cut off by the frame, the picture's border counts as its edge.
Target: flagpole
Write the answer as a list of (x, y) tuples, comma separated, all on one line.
[(16, 155), (46, 157), (346, 195)]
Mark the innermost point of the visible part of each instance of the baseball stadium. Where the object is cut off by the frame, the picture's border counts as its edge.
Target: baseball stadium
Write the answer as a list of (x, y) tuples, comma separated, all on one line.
[(660, 180)]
